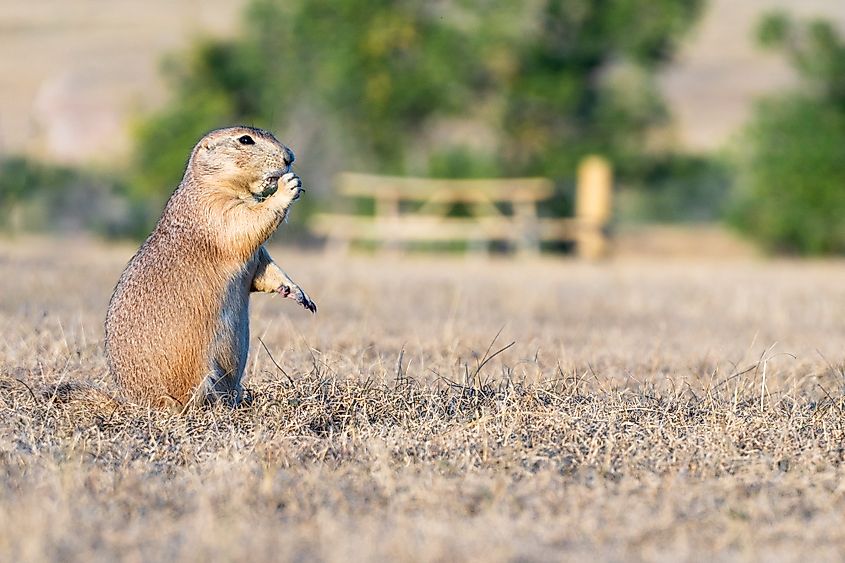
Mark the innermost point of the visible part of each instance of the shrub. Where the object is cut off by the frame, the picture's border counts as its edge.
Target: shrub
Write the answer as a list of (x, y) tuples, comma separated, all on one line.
[(791, 189), (793, 177)]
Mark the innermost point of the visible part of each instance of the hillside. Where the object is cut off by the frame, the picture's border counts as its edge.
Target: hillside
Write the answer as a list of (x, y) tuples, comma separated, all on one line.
[(75, 72)]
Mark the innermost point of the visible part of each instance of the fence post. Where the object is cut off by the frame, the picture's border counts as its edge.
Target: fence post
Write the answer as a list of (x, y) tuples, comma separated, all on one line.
[(593, 204)]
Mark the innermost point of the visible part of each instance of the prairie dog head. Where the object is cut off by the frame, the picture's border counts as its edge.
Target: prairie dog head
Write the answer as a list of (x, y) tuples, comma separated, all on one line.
[(245, 161)]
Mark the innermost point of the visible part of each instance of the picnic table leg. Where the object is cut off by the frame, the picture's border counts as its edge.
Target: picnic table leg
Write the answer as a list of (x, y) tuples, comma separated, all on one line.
[(337, 243), (527, 237), (478, 246), (387, 207), (593, 206)]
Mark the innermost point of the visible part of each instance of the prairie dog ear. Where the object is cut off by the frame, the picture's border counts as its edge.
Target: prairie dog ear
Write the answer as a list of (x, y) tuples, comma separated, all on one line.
[(209, 144)]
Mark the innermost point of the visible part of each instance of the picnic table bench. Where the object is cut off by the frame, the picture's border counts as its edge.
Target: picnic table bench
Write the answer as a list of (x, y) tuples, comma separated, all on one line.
[(419, 210)]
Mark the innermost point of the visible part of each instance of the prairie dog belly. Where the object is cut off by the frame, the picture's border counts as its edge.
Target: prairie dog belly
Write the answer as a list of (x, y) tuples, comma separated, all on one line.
[(230, 346)]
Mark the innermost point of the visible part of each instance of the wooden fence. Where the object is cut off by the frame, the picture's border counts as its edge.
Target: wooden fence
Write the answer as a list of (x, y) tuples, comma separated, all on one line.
[(418, 210)]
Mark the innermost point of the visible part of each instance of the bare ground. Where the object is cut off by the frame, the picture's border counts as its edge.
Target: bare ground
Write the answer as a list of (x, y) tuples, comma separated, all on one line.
[(646, 410)]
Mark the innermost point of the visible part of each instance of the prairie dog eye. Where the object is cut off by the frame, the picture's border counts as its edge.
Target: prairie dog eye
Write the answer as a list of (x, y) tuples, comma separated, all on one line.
[(246, 140)]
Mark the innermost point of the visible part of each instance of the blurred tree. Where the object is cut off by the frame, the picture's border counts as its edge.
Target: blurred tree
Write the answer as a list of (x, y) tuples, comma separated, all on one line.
[(381, 84), (791, 194), (815, 50), (583, 81)]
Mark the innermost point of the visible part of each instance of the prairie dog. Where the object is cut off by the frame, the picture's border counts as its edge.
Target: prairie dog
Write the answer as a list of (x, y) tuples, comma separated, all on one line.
[(177, 327)]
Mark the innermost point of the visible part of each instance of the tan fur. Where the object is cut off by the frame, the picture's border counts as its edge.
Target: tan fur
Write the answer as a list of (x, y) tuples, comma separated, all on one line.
[(177, 326)]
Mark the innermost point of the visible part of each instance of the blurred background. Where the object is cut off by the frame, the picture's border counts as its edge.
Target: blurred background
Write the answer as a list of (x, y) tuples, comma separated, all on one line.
[(718, 118)]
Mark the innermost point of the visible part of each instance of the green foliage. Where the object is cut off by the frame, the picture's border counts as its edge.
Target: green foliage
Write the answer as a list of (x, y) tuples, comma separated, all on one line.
[(20, 181), (460, 162), (679, 188), (364, 83), (205, 97), (37, 196), (21, 178), (794, 177), (774, 29), (792, 161), (584, 82), (815, 50)]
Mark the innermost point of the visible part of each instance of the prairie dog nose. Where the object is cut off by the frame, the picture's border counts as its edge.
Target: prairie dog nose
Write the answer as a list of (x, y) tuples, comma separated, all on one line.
[(289, 157)]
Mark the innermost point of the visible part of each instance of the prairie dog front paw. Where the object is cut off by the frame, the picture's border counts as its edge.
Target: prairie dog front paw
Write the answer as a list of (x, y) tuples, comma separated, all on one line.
[(295, 292), (293, 184)]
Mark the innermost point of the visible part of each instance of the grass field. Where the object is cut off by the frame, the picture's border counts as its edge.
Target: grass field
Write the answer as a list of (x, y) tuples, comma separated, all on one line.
[(646, 410)]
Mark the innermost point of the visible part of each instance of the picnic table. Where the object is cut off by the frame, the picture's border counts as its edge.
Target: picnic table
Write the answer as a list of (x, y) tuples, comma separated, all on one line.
[(410, 210)]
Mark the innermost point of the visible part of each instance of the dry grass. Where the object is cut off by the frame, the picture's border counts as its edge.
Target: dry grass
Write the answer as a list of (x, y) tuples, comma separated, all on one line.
[(645, 411)]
